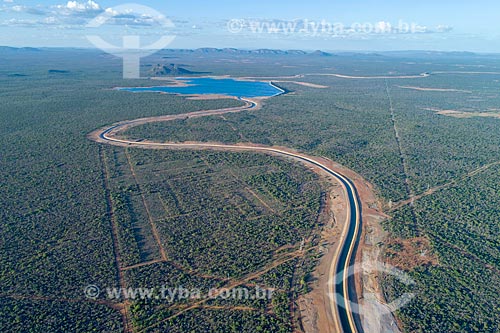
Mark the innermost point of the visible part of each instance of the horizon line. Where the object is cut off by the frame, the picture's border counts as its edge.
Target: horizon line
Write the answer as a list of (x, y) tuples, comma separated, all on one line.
[(265, 49)]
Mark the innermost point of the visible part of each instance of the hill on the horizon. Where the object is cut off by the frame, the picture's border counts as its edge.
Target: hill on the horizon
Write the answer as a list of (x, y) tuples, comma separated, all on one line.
[(171, 69)]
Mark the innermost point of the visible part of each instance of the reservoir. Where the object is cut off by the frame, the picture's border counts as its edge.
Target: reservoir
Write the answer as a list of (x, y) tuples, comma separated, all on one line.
[(213, 86)]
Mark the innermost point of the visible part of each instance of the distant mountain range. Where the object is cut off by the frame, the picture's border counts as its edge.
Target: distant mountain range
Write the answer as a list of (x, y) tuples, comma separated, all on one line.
[(317, 53), (19, 49), (206, 50), (209, 50), (234, 51)]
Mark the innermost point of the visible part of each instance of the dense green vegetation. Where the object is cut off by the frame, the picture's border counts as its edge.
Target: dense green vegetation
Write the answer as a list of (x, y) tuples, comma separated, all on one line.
[(58, 189), (321, 121), (23, 315), (461, 222), (461, 293), (246, 204), (441, 148), (223, 321), (219, 216), (56, 236)]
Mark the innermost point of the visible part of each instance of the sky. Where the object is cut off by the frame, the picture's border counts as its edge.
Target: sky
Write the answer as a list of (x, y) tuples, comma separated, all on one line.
[(355, 25)]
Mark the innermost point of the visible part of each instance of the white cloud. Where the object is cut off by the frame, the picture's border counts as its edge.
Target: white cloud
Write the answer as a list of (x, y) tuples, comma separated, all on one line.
[(25, 9), (75, 8), (76, 14), (51, 20), (130, 17), (111, 12), (8, 1), (383, 27), (444, 28), (81, 6), (19, 22)]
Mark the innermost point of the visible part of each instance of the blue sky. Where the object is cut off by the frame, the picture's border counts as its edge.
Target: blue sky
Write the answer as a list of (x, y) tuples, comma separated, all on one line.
[(328, 25)]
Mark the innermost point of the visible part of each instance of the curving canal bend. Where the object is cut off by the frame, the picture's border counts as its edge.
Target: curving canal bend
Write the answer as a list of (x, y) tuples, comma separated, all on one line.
[(340, 285)]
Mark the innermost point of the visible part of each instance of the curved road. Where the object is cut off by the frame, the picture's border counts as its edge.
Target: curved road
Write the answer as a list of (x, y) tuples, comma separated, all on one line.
[(338, 287)]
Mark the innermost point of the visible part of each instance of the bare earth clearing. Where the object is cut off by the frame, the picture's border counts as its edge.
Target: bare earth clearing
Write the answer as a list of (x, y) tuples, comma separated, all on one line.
[(435, 89), (464, 114)]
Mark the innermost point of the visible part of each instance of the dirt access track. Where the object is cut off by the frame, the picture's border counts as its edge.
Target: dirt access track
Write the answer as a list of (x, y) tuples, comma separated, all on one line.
[(320, 311)]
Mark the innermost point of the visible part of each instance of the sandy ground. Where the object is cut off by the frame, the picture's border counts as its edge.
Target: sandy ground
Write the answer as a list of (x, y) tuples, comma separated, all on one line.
[(411, 253), (305, 84), (462, 72), (376, 77), (250, 78), (375, 316), (171, 81), (316, 315), (434, 89), (463, 114), (208, 97)]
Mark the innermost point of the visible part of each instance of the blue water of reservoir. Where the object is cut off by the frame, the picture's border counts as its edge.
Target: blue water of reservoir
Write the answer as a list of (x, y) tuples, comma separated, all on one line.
[(210, 86)]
